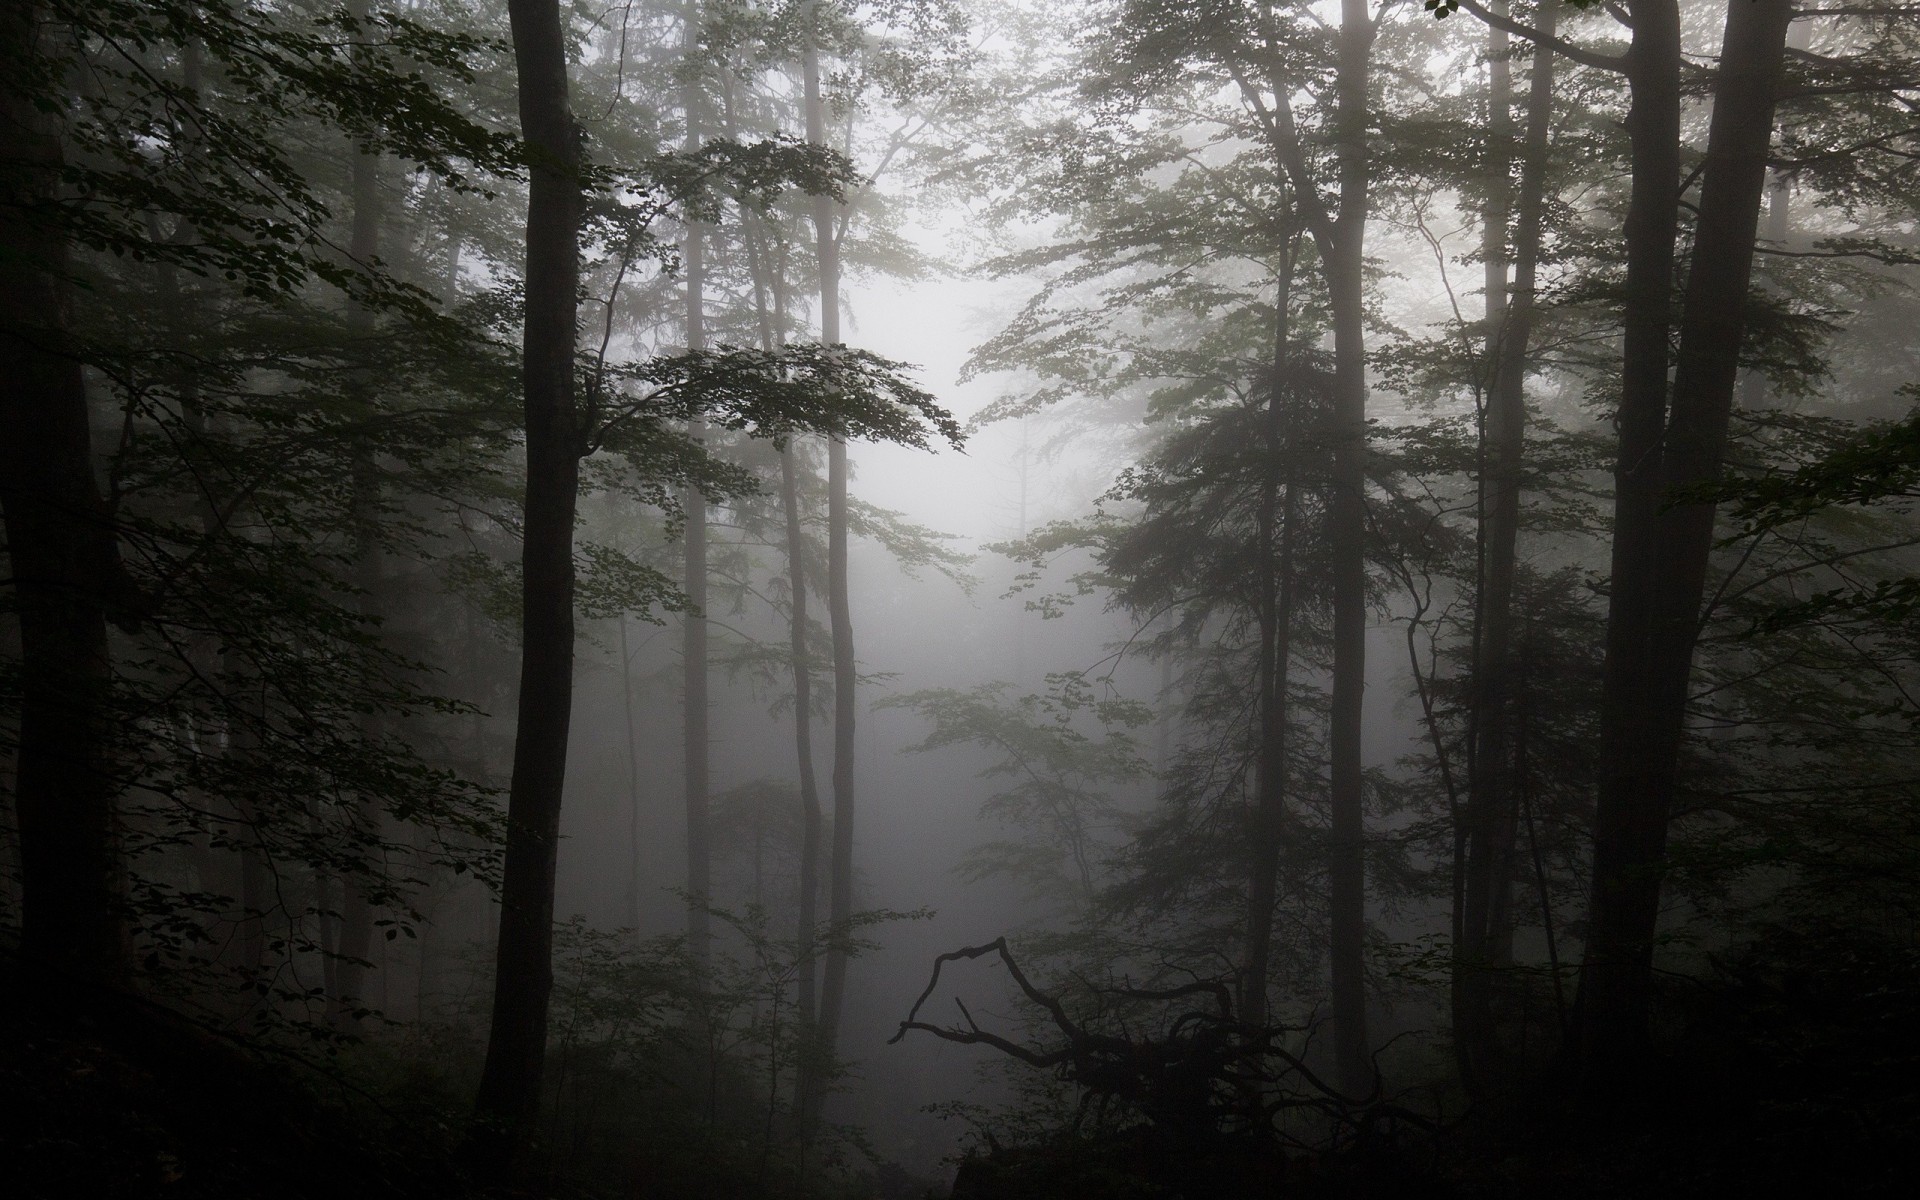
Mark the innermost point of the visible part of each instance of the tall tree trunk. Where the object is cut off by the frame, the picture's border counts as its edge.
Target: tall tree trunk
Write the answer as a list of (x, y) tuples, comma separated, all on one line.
[(1660, 559), (1754, 389), (1630, 741), (1347, 522), (1276, 653), (693, 655), (694, 696), (1484, 942), (65, 567), (1509, 437), (1339, 235), (770, 284), (839, 613), (810, 817), (356, 910), (509, 1092), (633, 780)]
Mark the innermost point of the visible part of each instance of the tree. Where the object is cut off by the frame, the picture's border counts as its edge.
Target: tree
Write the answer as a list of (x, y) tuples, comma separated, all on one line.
[(1058, 794), (1481, 939), (516, 1044), (153, 167), (833, 983), (693, 652), (60, 543), (1660, 554), (1262, 58)]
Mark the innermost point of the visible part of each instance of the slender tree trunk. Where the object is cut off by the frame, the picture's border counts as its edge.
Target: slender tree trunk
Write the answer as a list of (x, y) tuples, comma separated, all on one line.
[(1276, 653), (694, 627), (1611, 1002), (810, 817), (770, 283), (1484, 945), (1509, 437), (356, 911), (1754, 390), (633, 780), (839, 612), (695, 749), (1660, 559), (1347, 522), (1339, 235), (65, 568), (509, 1092)]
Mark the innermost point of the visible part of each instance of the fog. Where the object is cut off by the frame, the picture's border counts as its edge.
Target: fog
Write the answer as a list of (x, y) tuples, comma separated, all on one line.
[(715, 598)]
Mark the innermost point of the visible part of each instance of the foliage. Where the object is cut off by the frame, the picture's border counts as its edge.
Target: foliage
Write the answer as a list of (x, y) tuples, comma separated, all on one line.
[(217, 152), (1061, 779)]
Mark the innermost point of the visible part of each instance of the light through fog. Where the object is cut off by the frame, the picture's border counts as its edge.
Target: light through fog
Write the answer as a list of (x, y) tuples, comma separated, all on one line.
[(1407, 689)]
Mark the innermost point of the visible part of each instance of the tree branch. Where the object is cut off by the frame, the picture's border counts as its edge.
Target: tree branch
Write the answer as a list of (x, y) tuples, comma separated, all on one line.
[(1559, 45)]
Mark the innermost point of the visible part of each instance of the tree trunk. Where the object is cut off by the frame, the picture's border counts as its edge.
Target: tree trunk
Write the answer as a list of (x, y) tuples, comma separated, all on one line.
[(1276, 653), (839, 612), (356, 910), (769, 282), (509, 1092), (771, 304), (1347, 521), (633, 780), (66, 574), (1484, 944), (810, 818), (1660, 559), (1631, 745), (693, 654), (1754, 390), (695, 748)]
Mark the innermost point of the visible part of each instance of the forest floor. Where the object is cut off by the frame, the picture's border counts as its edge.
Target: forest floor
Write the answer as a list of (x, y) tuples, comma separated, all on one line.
[(1798, 1082), (116, 1097)]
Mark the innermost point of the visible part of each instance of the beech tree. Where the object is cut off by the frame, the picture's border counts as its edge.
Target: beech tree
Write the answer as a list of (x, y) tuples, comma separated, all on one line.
[(523, 980), (159, 167)]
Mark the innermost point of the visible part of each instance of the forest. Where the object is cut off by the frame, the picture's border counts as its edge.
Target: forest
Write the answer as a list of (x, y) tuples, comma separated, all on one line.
[(830, 599)]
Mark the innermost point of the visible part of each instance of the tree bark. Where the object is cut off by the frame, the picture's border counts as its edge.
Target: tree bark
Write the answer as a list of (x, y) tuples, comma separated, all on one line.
[(66, 573), (1339, 235), (1276, 654), (694, 697), (1484, 944), (356, 910), (1660, 558), (769, 282), (693, 654), (810, 816), (1347, 526), (509, 1091), (633, 780), (839, 613), (1631, 745)]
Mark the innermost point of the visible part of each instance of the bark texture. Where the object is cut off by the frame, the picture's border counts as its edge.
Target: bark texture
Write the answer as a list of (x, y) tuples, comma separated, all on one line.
[(1276, 534), (1483, 936), (348, 994), (810, 815), (1345, 260), (516, 1048), (1660, 557), (696, 747), (833, 985)]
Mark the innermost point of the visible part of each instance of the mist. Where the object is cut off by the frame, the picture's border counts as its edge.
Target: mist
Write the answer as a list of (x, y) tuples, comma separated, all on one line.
[(716, 598)]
